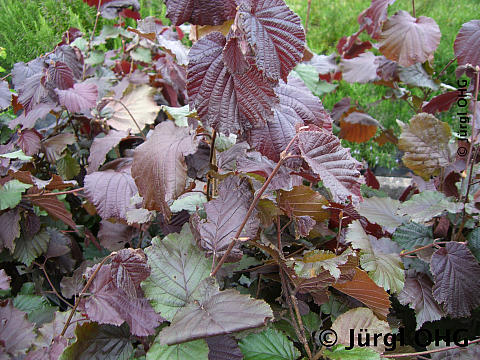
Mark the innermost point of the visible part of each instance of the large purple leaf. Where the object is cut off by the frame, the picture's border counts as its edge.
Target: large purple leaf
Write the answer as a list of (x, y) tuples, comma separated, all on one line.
[(361, 69), (213, 312), (110, 191), (224, 217), (456, 273), (116, 295), (374, 17), (223, 100), (129, 268), (275, 35), (80, 97), (333, 163), (417, 292), (27, 120), (16, 332), (22, 71), (408, 40), (297, 107), (67, 55), (33, 92), (5, 95), (200, 12), (159, 167), (101, 146), (58, 76), (9, 223), (30, 141), (467, 44)]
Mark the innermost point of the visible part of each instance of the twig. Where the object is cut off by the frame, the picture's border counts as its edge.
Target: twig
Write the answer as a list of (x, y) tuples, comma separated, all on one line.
[(423, 248), (285, 226), (6, 76), (300, 324), (279, 234), (212, 161), (259, 281), (413, 8), (247, 216), (309, 6), (339, 230), (445, 68), (85, 288), (129, 113), (42, 266), (392, 356), (89, 46), (53, 193)]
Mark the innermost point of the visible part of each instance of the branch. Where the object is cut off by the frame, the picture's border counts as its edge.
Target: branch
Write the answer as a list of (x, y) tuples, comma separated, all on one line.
[(422, 248), (53, 193), (428, 351), (309, 6), (283, 158), (85, 288)]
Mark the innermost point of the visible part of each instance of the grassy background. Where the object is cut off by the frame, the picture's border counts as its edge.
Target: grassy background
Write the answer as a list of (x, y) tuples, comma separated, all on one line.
[(29, 28)]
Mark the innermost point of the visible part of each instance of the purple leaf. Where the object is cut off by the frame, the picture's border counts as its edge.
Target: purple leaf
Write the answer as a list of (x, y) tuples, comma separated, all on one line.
[(456, 273), (27, 120), (112, 8), (110, 191), (21, 71), (408, 40), (30, 141), (33, 92), (223, 347), (10, 225), (53, 206), (223, 100), (275, 35), (58, 76), (466, 44), (200, 12), (114, 236), (224, 217), (67, 55), (110, 304), (417, 292), (129, 268), (16, 332), (82, 96), (101, 146), (334, 164), (159, 167), (442, 102), (361, 69), (213, 312), (297, 107), (374, 17), (5, 95)]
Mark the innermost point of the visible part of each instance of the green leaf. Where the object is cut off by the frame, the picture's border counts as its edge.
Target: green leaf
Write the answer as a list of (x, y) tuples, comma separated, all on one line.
[(381, 211), (17, 155), (11, 193), (338, 352), (212, 312), (178, 114), (190, 202), (379, 257), (28, 249), (268, 345), (412, 235), (99, 342), (95, 58), (193, 350), (177, 269), (474, 243), (68, 167), (309, 75), (141, 54), (426, 205)]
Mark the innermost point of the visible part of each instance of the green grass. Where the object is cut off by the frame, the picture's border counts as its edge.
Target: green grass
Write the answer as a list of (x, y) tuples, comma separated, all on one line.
[(330, 20)]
